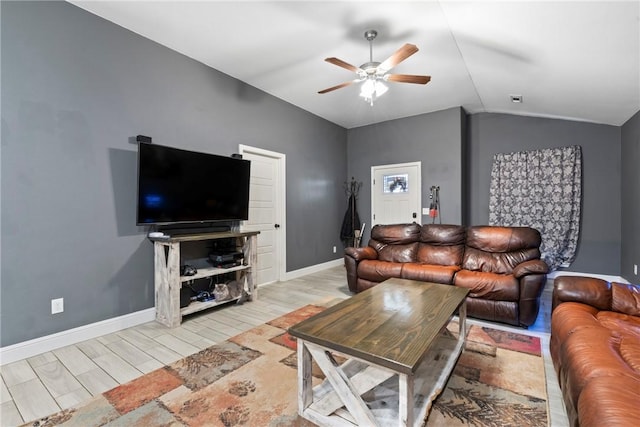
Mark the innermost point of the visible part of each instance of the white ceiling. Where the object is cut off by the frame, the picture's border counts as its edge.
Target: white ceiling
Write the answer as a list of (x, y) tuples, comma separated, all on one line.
[(574, 60)]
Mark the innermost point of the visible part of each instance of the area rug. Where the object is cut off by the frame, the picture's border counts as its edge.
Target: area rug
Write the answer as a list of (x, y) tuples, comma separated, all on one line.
[(251, 380)]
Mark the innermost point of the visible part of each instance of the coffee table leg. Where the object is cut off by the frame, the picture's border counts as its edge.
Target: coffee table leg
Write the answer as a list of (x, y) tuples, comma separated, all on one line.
[(343, 386), (462, 322), (405, 399), (305, 381)]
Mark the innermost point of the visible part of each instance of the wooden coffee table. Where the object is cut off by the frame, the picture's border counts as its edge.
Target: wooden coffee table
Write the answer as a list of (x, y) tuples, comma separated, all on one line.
[(386, 354)]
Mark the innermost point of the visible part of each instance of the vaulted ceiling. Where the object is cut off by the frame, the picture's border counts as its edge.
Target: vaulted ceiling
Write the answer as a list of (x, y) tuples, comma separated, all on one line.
[(573, 60)]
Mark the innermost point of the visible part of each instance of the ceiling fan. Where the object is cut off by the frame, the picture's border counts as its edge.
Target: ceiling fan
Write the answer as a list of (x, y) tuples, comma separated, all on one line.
[(373, 74)]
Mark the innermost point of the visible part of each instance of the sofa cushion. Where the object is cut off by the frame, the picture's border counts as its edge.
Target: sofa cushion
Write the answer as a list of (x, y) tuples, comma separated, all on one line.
[(441, 244), (588, 290), (395, 234), (568, 318), (429, 272), (587, 345), (440, 255), (495, 311), (591, 353), (503, 239), (619, 322), (625, 298), (396, 242), (396, 253), (443, 234), (499, 249), (500, 287), (378, 271), (630, 353), (571, 316), (595, 347), (609, 403)]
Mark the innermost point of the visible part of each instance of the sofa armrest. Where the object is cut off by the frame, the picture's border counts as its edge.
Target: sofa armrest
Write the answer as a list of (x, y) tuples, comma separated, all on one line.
[(352, 256), (532, 276), (587, 290), (358, 254), (534, 266)]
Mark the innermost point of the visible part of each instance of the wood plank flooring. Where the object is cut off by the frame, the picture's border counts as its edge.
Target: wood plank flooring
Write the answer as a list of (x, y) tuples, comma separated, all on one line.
[(67, 377)]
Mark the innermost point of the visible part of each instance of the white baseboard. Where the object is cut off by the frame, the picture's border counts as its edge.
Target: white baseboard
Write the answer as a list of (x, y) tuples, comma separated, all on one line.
[(51, 342), (557, 273), (314, 269)]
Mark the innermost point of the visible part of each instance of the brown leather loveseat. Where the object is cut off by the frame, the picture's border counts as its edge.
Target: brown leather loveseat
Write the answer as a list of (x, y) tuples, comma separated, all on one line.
[(500, 265), (595, 347)]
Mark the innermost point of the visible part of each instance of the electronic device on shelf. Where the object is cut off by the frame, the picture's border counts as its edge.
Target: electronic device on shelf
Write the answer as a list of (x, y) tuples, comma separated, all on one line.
[(177, 186), (226, 259), (188, 270), (203, 296)]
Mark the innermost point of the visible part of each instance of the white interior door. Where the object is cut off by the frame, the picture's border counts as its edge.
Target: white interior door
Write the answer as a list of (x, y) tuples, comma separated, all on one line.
[(396, 194), (266, 211)]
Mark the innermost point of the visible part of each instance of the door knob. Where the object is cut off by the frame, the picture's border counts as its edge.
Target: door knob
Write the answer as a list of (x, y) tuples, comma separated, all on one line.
[(276, 225)]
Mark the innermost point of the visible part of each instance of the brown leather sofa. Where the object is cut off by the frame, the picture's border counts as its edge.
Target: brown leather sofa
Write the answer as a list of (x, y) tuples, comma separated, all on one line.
[(500, 265), (595, 347)]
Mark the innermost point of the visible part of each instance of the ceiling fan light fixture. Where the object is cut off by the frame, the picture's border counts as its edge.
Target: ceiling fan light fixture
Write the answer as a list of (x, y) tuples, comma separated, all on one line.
[(372, 89), (372, 74)]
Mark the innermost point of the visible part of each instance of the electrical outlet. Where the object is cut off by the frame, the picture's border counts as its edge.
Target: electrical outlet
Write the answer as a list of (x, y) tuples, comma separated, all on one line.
[(635, 269), (57, 305), (334, 249)]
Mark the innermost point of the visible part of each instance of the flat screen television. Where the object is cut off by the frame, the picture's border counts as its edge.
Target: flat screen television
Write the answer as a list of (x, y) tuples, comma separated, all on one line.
[(179, 186)]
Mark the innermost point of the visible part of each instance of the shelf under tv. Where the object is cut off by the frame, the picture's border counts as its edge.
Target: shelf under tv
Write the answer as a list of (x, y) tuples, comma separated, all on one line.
[(204, 272), (196, 306), (168, 282)]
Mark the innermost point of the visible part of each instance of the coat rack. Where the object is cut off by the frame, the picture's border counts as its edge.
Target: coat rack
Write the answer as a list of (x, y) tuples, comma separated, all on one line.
[(434, 206), (350, 232)]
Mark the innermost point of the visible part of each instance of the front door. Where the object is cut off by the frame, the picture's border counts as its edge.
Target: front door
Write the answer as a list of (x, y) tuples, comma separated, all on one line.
[(396, 194), (266, 211)]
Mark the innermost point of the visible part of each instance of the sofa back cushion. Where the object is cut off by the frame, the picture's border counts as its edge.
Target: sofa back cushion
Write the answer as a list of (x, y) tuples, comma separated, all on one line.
[(625, 298), (499, 249), (441, 244), (396, 242)]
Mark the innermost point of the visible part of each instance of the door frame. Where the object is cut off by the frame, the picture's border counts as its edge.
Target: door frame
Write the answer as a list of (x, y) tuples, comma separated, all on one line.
[(418, 164), (280, 205)]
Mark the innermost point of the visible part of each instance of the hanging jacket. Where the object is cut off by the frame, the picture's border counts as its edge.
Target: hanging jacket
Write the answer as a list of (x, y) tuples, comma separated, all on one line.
[(350, 223)]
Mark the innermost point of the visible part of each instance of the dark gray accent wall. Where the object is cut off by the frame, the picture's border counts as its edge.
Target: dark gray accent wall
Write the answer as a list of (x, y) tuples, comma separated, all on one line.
[(436, 139), (630, 185), (75, 90), (600, 237)]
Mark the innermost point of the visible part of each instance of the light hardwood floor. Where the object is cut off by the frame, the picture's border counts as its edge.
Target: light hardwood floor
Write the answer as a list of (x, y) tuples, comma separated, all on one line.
[(63, 378)]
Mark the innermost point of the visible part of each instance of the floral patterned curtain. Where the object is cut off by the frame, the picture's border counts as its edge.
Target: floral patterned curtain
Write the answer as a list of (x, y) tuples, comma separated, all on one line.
[(540, 189)]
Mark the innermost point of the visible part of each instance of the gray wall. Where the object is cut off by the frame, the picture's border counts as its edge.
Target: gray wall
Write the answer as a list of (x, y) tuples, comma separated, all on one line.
[(630, 198), (600, 240), (436, 139), (75, 89)]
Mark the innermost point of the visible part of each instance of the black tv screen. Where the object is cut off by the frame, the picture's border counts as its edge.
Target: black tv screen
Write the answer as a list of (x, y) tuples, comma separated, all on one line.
[(180, 186)]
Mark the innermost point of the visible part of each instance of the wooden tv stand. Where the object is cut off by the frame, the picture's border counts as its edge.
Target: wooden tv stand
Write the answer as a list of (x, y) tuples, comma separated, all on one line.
[(168, 282)]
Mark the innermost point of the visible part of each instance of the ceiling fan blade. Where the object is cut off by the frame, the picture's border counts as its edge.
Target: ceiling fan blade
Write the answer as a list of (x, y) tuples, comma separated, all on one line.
[(341, 63), (340, 86), (400, 55), (408, 78)]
